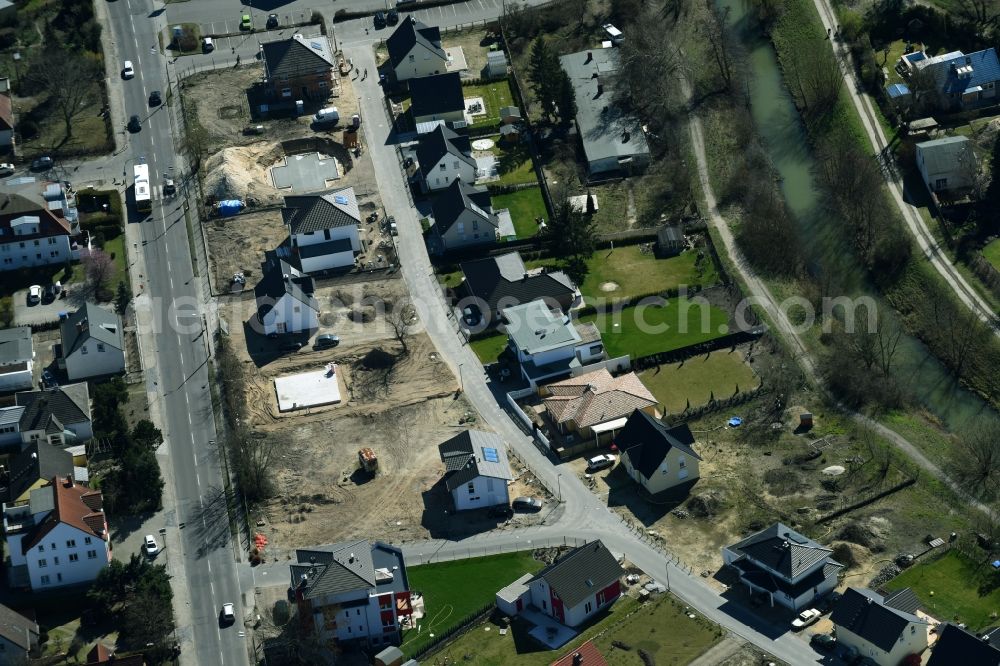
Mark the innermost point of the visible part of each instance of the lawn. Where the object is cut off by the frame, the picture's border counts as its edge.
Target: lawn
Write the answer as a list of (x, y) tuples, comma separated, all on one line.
[(992, 253), (495, 94), (644, 331), (90, 134), (525, 207), (954, 589), (116, 248), (697, 379), (514, 164), (660, 628), (488, 348), (454, 590)]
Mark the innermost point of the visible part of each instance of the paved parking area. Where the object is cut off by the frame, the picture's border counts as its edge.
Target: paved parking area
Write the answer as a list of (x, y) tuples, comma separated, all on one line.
[(309, 172), (41, 313), (45, 355)]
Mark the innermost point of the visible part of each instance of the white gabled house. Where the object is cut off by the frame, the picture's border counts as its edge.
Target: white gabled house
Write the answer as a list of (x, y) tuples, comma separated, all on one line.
[(415, 50), (58, 537), (285, 302), (884, 629), (93, 344), (476, 469), (445, 157), (324, 229), (17, 359)]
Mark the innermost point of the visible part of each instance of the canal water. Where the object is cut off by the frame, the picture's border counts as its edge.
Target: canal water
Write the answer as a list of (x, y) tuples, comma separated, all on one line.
[(824, 237)]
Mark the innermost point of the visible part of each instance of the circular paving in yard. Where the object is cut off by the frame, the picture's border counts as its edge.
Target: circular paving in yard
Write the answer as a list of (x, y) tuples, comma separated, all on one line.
[(609, 286)]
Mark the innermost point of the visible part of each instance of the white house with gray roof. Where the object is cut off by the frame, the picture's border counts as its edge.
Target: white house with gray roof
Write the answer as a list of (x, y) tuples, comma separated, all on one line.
[(59, 415), (947, 164), (324, 229), (93, 344), (354, 591), (612, 140), (548, 344), (17, 359), (789, 568), (285, 301), (463, 217), (884, 629), (415, 50), (476, 469), (445, 157)]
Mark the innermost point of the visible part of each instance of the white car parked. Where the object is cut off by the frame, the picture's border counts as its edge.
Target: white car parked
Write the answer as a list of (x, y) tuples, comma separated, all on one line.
[(602, 461), (805, 618), (149, 545), (6, 168), (34, 294), (129, 71)]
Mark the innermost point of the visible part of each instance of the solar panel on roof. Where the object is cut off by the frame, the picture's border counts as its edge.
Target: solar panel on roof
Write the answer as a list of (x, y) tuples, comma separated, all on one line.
[(340, 198), (491, 455)]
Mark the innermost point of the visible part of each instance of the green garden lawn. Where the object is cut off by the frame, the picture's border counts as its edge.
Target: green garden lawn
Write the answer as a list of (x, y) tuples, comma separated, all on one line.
[(488, 348), (634, 273), (495, 94), (643, 331), (454, 590), (963, 590), (992, 253), (697, 379), (514, 163), (525, 206)]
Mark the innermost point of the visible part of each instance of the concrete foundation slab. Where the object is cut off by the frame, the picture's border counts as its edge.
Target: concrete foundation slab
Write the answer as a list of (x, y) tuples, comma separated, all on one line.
[(308, 389)]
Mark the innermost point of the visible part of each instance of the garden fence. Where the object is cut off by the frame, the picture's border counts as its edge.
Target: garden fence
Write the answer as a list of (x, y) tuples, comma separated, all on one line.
[(440, 641)]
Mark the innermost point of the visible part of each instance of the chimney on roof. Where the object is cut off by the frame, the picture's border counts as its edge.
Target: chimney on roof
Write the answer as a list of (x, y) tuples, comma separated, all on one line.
[(69, 481), (351, 559), (590, 56), (626, 136), (525, 275), (600, 88), (577, 658)]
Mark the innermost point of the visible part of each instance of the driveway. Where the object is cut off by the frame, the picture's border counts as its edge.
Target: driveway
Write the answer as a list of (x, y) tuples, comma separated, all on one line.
[(41, 313)]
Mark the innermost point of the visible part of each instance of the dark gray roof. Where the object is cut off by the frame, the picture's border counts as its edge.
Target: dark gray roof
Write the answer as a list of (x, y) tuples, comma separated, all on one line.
[(504, 279), (766, 580), (442, 141), (67, 404), (91, 321), (323, 249), (904, 600), (349, 566), (39, 460), (436, 95), (291, 58), (864, 613), (957, 647), (584, 571), (456, 199), (669, 233), (15, 345), (646, 440), (323, 210), (783, 550), (464, 458), (410, 33), (274, 284), (18, 629)]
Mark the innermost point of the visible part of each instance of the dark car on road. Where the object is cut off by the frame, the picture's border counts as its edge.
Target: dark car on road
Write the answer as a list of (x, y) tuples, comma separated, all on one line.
[(326, 341), (134, 124), (526, 504), (154, 98), (272, 21), (379, 19), (392, 18), (42, 163)]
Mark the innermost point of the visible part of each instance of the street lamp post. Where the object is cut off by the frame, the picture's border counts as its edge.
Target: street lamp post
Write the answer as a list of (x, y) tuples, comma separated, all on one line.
[(559, 485), (461, 377), (668, 576)]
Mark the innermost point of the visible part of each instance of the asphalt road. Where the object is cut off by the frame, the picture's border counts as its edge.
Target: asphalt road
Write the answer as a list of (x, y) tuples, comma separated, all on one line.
[(175, 353)]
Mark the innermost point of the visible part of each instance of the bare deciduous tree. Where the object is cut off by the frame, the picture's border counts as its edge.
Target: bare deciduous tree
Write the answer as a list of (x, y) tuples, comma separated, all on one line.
[(68, 79), (977, 465), (251, 455), (401, 318), (99, 267), (716, 31)]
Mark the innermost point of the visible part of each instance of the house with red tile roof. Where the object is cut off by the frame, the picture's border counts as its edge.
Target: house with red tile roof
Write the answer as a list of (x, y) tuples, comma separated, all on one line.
[(6, 117), (58, 537), (100, 655), (585, 655), (39, 224), (594, 405)]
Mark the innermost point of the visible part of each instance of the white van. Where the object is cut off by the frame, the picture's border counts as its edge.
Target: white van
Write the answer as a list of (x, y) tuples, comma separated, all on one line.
[(614, 34), (327, 115)]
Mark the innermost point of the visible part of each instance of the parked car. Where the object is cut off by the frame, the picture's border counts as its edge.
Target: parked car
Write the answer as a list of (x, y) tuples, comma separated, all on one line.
[(500, 511), (471, 315), (824, 642), (228, 614), (526, 504), (326, 341), (149, 545), (50, 294), (600, 462), (272, 21), (6, 168), (128, 71), (34, 294), (328, 114), (207, 45), (393, 229), (380, 19), (42, 163), (155, 99), (291, 346), (169, 188), (134, 124), (246, 22), (392, 18), (48, 379), (805, 618)]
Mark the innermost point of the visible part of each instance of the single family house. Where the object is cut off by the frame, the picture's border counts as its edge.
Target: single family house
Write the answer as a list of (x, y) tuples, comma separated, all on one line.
[(351, 592), (58, 537), (656, 456), (324, 229), (613, 140), (548, 344), (476, 469), (947, 164), (884, 629), (33, 466), (584, 655), (438, 97), (593, 406), (93, 343), (100, 655), (571, 590), (503, 281), (790, 569), (17, 359), (415, 50), (463, 217), (38, 226), (18, 637), (59, 415), (6, 111), (955, 80), (444, 157), (299, 67), (285, 301), (955, 646)]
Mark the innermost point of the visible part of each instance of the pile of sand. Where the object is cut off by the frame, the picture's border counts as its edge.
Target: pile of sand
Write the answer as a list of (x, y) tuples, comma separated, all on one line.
[(236, 173)]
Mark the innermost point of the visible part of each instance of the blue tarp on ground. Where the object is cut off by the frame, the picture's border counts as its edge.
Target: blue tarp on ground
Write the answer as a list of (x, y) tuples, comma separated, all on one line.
[(230, 207)]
